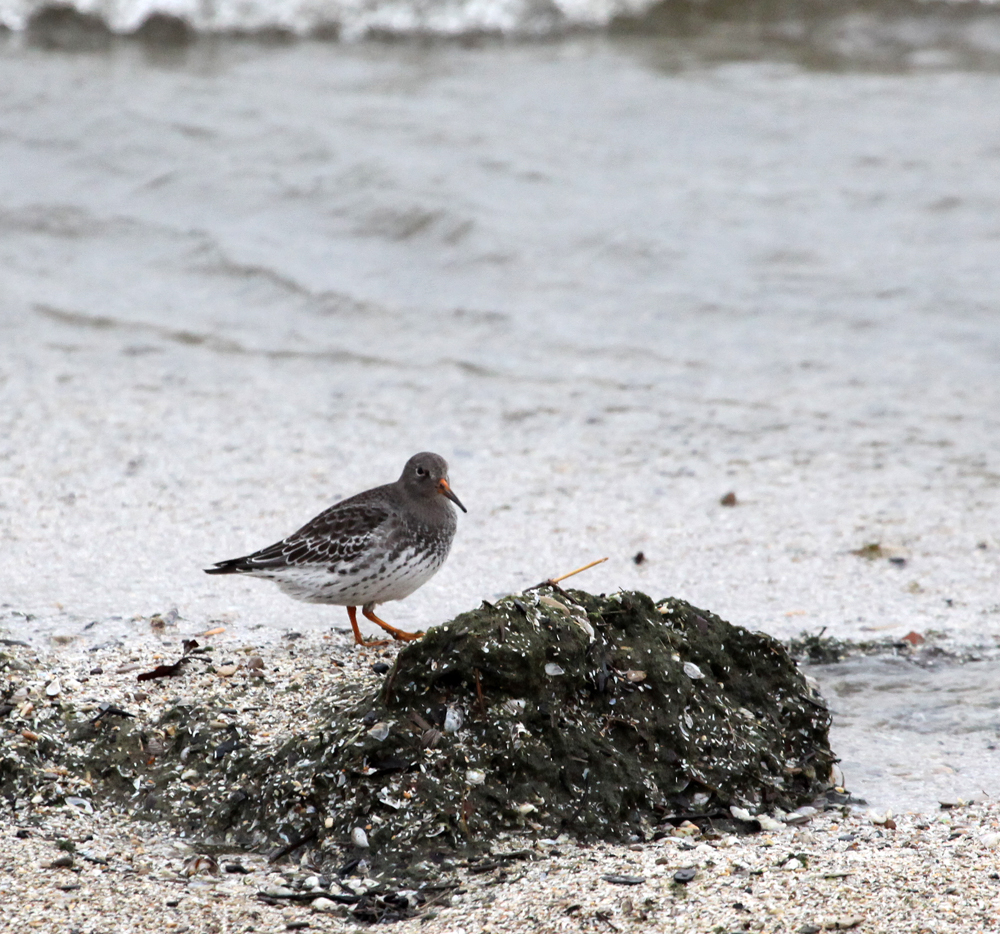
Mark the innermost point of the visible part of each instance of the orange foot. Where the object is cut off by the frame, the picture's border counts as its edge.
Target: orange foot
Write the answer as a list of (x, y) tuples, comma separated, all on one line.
[(352, 611), (400, 635)]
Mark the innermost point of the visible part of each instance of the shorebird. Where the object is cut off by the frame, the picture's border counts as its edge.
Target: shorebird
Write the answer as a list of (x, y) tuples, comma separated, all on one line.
[(368, 549)]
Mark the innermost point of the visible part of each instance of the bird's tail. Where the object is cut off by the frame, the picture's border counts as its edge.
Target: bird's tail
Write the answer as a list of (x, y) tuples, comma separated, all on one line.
[(232, 566)]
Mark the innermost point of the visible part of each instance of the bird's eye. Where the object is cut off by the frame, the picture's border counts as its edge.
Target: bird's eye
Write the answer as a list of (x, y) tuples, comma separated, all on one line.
[(421, 472)]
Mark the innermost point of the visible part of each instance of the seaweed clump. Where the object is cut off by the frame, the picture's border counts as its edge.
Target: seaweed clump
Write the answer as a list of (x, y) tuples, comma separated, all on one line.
[(555, 711), (603, 717)]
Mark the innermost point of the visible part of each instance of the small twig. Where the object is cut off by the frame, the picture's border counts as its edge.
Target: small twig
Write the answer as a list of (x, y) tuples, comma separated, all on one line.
[(554, 581), (586, 567)]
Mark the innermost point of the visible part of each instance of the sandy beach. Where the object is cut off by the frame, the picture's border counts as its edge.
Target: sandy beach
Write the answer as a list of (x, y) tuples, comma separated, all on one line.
[(69, 866)]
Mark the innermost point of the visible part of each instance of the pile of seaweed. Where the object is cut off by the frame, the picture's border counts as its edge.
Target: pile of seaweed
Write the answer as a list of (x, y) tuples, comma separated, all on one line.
[(551, 711)]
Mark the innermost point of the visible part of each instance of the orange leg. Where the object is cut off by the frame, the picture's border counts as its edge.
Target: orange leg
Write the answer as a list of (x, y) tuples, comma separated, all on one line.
[(352, 611), (399, 634)]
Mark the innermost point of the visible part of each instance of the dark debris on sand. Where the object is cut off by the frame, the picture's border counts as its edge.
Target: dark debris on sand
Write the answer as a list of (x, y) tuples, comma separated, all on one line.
[(609, 717)]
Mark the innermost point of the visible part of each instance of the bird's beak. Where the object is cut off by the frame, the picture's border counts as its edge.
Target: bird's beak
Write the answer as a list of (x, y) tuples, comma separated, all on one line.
[(445, 490)]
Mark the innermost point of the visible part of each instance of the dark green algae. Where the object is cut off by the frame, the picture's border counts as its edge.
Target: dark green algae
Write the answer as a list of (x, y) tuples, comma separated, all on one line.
[(554, 711)]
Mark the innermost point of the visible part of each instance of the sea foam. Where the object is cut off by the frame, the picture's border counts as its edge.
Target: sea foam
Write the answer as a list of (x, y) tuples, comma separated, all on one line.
[(351, 19)]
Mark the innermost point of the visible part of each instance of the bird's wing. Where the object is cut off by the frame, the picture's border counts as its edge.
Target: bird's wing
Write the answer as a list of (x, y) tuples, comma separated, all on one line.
[(337, 536)]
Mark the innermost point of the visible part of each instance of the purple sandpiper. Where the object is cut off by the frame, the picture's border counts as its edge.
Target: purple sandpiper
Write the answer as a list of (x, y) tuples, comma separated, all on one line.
[(365, 550)]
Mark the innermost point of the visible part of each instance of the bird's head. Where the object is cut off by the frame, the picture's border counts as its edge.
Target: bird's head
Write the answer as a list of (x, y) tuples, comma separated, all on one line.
[(426, 474)]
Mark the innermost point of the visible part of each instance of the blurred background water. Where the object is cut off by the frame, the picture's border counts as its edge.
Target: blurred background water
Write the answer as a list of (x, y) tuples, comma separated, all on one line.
[(611, 260)]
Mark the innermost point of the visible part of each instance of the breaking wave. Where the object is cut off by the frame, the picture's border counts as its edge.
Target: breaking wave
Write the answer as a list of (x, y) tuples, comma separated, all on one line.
[(349, 19), (841, 30)]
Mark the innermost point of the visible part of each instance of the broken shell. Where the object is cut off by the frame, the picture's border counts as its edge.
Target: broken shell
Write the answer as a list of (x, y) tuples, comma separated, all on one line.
[(693, 671), (53, 688), (359, 838), (801, 815), (475, 777), (194, 865), (555, 604), (82, 803), (584, 624), (379, 731)]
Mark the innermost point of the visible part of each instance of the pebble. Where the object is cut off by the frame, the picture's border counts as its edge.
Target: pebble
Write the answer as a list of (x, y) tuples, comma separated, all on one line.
[(684, 876), (53, 688), (453, 720), (322, 904), (616, 879), (60, 862), (475, 777), (693, 671), (553, 670), (227, 671)]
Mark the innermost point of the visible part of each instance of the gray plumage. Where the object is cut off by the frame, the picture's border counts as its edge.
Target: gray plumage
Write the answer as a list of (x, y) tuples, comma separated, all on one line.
[(368, 549)]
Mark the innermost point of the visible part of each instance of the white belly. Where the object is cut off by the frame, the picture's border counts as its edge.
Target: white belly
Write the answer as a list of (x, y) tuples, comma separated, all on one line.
[(319, 584)]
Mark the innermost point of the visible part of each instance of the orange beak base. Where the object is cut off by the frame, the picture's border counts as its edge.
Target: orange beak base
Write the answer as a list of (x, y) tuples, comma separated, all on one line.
[(445, 490)]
